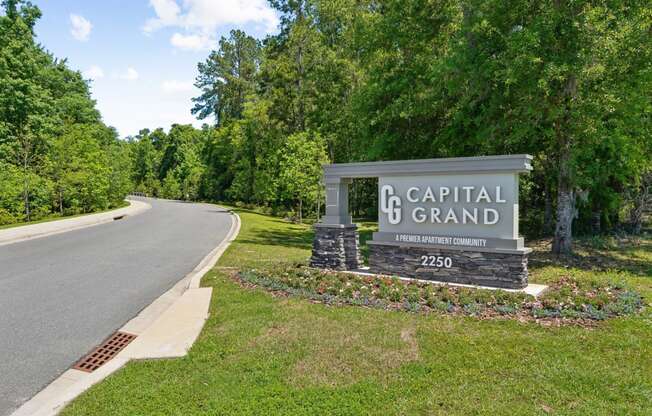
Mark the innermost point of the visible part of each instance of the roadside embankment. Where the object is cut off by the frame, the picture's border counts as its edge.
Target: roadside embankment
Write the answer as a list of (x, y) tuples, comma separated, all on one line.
[(27, 232)]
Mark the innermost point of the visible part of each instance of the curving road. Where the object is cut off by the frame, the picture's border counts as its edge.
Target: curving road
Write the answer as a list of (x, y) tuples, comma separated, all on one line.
[(62, 295)]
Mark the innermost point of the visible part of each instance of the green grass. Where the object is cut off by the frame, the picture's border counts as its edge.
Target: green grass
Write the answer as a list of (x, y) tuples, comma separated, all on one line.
[(263, 355), (59, 217)]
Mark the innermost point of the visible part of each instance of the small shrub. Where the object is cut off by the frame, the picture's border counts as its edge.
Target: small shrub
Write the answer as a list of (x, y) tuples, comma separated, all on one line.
[(484, 296), (6, 217), (473, 308), (571, 313), (412, 306), (506, 309), (594, 313), (545, 313), (414, 294), (395, 294), (446, 295), (465, 296)]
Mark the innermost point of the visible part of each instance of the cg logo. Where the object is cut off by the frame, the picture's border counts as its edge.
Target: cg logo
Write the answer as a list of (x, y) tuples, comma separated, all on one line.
[(390, 204)]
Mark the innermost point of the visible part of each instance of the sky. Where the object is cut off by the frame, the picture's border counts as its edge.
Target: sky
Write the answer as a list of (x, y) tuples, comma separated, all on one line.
[(141, 55)]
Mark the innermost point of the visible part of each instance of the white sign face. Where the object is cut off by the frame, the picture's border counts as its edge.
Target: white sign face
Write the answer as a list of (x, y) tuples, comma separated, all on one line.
[(467, 210)]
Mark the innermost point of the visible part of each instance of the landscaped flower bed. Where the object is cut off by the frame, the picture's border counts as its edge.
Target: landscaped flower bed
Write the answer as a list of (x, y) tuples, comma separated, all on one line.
[(566, 301)]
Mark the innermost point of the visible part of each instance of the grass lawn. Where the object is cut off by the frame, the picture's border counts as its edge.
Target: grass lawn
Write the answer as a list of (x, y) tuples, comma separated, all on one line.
[(59, 217), (262, 354)]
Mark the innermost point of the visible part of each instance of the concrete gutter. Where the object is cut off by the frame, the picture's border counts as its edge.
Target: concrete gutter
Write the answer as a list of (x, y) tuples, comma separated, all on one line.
[(167, 328), (28, 232)]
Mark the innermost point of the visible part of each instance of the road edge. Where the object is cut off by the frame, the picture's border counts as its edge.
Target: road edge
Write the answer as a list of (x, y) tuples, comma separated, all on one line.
[(166, 328), (46, 229)]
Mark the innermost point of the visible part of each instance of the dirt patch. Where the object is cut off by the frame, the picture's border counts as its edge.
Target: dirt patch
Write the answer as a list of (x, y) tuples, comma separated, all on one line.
[(408, 335)]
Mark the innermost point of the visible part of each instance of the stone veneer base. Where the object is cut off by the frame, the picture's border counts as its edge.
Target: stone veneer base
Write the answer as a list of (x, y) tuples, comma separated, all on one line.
[(495, 269), (336, 247)]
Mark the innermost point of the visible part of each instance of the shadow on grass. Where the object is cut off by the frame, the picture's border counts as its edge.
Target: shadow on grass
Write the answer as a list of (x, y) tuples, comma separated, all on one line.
[(277, 232), (292, 239), (627, 254), (631, 254)]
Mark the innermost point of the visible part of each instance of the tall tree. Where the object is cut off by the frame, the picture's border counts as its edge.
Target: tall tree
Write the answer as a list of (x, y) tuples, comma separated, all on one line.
[(26, 114), (227, 77), (300, 169), (52, 138)]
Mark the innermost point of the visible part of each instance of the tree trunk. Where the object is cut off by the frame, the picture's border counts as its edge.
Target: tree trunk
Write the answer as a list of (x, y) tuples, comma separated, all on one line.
[(300, 211), (596, 223), (254, 167), (547, 213), (563, 240), (28, 213), (642, 203), (301, 109)]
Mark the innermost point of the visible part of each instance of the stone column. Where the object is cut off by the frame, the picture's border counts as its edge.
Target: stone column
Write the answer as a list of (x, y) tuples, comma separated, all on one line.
[(337, 244), (336, 247)]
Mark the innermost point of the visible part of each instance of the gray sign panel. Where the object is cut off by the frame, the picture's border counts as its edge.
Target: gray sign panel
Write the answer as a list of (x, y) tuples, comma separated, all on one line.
[(472, 200), (456, 205)]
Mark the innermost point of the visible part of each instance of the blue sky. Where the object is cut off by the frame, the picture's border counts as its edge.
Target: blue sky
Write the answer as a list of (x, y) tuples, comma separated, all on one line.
[(142, 55)]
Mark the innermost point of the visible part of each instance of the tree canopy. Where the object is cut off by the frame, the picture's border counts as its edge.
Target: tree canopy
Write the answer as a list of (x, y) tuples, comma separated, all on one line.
[(56, 155), (360, 80), (568, 82)]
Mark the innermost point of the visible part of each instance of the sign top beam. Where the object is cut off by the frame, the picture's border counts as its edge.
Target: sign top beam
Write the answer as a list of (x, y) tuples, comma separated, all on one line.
[(459, 165)]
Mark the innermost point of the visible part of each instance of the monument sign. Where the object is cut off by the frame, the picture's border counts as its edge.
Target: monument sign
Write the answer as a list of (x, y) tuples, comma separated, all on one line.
[(452, 220)]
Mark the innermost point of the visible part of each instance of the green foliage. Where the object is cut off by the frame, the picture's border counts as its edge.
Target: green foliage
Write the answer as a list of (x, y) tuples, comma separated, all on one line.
[(56, 156), (170, 188), (300, 169), (566, 82), (349, 80), (227, 77), (567, 298)]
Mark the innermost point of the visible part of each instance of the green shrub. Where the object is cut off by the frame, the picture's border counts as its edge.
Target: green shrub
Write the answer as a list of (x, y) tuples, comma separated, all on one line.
[(6, 217)]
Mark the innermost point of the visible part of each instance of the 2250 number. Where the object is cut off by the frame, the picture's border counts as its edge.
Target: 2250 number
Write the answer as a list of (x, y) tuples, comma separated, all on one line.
[(437, 261)]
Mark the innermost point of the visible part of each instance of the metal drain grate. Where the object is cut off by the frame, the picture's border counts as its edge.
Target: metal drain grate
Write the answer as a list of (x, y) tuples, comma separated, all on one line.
[(104, 352)]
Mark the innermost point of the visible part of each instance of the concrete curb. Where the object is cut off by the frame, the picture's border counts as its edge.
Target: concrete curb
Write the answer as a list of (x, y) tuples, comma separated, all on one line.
[(167, 328), (29, 232)]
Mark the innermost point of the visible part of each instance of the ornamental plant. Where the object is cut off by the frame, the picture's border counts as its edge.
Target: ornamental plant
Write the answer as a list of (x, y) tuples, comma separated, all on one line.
[(566, 301)]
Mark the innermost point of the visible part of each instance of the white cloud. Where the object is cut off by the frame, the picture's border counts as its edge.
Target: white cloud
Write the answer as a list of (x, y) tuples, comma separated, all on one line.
[(191, 42), (94, 73), (171, 87), (80, 28), (130, 75), (200, 19), (167, 12)]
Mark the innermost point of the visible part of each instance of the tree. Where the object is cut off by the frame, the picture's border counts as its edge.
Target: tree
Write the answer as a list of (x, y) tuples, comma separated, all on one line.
[(25, 105), (52, 139), (146, 163), (301, 163), (189, 172), (256, 141), (562, 79), (170, 188), (227, 77)]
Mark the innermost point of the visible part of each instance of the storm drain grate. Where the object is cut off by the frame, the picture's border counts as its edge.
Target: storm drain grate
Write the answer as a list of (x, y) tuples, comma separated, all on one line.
[(103, 353)]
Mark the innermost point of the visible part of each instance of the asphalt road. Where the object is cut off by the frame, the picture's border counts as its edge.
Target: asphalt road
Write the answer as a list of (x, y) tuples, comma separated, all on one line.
[(62, 295)]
